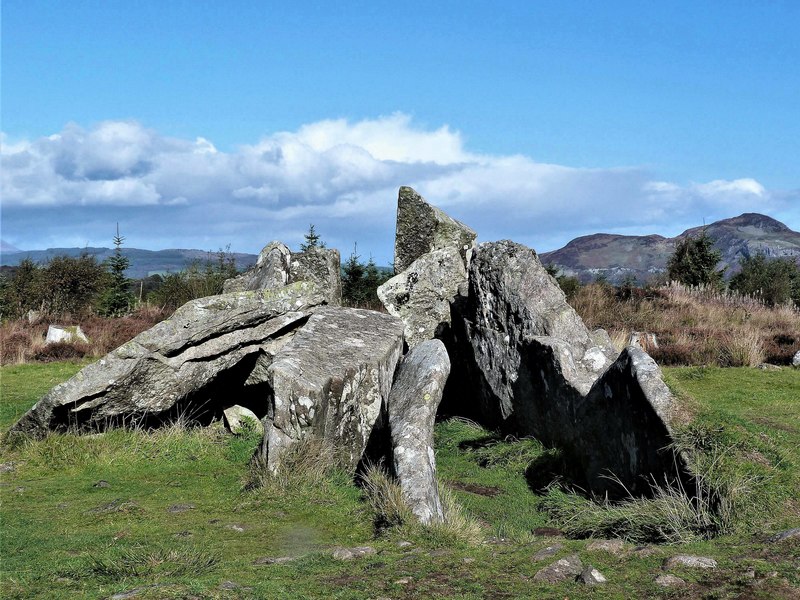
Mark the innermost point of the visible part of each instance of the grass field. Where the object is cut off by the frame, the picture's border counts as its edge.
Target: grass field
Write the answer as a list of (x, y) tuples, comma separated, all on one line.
[(167, 514)]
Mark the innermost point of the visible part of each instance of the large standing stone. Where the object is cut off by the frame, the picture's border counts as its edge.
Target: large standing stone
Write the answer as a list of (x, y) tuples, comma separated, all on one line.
[(421, 295), (422, 228), (413, 400), (278, 266), (200, 360), (331, 382)]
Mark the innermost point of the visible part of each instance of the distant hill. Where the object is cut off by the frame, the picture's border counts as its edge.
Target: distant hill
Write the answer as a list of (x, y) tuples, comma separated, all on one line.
[(6, 247), (621, 256), (142, 262)]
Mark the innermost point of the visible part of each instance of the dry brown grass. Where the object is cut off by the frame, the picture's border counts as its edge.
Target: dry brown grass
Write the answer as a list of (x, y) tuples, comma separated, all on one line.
[(694, 326), (21, 341)]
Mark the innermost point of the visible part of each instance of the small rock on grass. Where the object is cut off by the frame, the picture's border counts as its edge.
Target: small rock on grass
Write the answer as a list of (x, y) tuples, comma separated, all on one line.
[(568, 567), (274, 560), (236, 527), (547, 552), (404, 544), (669, 581), (102, 484), (351, 553), (785, 535), (691, 561), (615, 546), (179, 508), (591, 576)]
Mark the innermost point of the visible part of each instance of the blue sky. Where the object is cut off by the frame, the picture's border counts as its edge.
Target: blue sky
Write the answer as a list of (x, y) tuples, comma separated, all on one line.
[(202, 124)]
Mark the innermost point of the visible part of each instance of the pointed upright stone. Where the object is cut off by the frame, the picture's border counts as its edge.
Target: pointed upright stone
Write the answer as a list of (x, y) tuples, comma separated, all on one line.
[(422, 228)]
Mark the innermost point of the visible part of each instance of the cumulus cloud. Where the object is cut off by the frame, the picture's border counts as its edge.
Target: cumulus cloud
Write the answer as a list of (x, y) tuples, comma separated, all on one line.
[(340, 175)]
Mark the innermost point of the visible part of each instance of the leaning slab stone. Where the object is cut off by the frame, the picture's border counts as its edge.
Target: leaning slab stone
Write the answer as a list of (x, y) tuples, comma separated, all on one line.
[(321, 266), (186, 363), (530, 357), (65, 333), (330, 383), (421, 295), (413, 400), (271, 271), (422, 228)]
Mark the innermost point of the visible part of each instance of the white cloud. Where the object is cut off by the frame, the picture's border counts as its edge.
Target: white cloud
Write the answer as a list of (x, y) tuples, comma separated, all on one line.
[(341, 175)]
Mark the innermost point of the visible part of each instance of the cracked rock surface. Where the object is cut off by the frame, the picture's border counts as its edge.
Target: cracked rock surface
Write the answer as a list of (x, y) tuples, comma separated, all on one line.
[(331, 382)]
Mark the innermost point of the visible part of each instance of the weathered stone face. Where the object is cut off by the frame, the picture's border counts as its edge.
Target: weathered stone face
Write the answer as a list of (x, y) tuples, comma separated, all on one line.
[(412, 406), (421, 295), (178, 360), (270, 272), (422, 228), (277, 266), (331, 382), (530, 355), (322, 266)]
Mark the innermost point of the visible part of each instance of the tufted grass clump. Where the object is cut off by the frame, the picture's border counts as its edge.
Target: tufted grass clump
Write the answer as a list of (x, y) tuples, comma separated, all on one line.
[(385, 499), (144, 562)]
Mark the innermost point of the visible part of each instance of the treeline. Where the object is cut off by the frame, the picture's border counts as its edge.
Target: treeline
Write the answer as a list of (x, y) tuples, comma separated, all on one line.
[(82, 286)]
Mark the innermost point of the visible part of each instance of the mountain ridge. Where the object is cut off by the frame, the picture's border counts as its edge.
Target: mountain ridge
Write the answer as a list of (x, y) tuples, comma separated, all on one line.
[(618, 257)]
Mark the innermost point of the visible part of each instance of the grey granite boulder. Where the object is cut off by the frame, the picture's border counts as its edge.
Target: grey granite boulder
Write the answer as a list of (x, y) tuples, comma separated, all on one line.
[(422, 228), (413, 401), (277, 266), (421, 295), (330, 383), (271, 271), (187, 364)]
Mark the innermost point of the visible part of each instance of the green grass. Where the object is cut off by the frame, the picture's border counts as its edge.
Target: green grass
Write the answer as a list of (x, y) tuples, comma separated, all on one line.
[(64, 534)]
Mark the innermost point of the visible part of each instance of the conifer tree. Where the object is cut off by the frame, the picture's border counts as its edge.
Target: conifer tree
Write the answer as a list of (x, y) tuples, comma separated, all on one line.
[(312, 240), (117, 299)]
